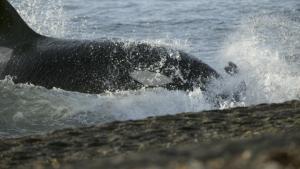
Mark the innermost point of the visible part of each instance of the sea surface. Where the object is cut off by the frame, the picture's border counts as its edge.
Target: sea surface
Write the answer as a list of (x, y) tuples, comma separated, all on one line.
[(261, 36)]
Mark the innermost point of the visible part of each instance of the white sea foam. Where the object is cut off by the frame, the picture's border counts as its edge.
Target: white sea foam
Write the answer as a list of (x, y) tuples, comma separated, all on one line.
[(30, 109)]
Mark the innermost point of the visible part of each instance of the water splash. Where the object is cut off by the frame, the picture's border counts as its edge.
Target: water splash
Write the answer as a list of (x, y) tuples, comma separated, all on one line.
[(266, 49), (45, 17)]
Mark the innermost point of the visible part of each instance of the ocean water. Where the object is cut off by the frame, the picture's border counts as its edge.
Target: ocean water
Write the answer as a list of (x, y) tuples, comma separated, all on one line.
[(261, 36)]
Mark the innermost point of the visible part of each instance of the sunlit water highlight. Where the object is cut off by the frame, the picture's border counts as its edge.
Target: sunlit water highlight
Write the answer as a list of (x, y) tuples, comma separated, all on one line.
[(262, 39)]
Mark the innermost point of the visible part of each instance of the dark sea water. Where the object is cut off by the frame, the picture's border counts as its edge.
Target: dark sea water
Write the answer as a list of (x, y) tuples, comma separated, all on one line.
[(261, 36)]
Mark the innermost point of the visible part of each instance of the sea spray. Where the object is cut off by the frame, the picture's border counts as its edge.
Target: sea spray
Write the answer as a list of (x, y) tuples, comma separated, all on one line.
[(46, 17), (266, 50)]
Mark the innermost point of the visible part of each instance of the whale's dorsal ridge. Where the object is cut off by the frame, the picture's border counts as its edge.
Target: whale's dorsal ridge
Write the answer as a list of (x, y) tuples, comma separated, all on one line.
[(13, 29)]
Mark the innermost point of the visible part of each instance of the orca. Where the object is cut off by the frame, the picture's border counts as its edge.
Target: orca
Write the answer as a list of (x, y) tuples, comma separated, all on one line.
[(93, 66)]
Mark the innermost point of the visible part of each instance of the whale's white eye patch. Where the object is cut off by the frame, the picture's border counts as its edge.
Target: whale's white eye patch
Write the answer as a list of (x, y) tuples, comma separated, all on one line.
[(5, 55), (150, 78)]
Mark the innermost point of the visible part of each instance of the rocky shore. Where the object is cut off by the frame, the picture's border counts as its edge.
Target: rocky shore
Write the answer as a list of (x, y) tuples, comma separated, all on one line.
[(256, 137)]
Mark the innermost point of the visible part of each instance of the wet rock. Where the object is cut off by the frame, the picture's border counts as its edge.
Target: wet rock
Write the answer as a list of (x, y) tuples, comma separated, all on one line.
[(266, 152), (232, 138)]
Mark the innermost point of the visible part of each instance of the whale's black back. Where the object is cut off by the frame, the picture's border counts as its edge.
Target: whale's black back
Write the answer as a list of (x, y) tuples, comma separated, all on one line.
[(98, 66)]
